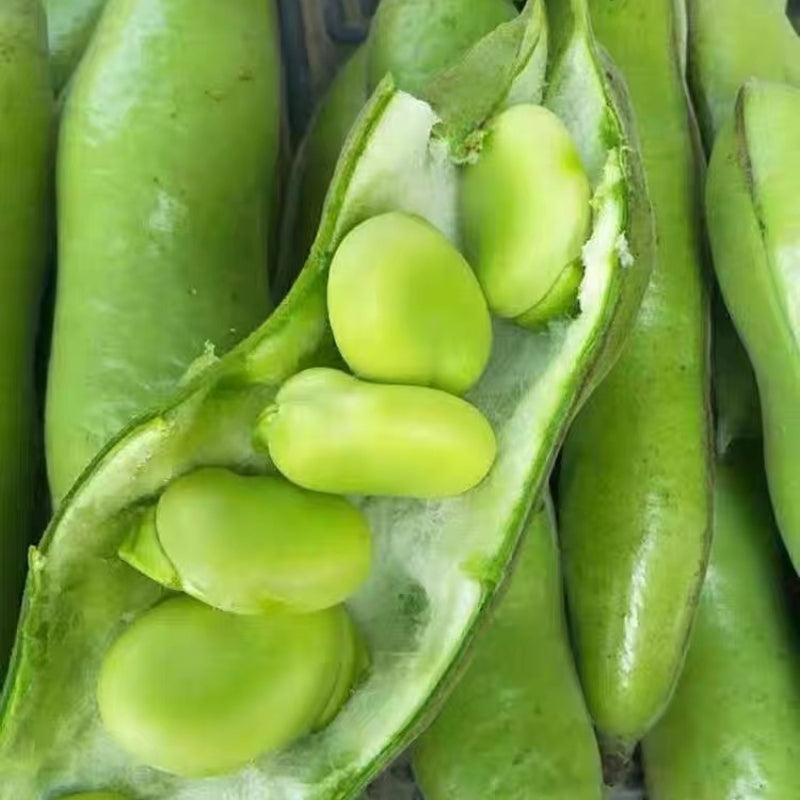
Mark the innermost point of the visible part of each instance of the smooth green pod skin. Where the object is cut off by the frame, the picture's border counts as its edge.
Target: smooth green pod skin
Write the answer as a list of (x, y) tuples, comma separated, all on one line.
[(313, 168), (415, 39), (635, 484), (247, 544), (516, 725), (731, 41), (732, 729), (70, 24), (148, 220), (193, 691), (439, 564), (25, 147), (405, 306), (331, 432), (753, 214), (526, 212)]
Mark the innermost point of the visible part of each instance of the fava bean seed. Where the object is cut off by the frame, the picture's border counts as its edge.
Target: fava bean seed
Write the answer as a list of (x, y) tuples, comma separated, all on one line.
[(526, 215), (331, 432), (405, 306), (248, 543), (195, 691)]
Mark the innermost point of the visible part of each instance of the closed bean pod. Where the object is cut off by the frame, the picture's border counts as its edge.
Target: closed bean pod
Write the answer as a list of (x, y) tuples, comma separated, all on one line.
[(526, 215), (163, 247), (25, 144), (753, 213), (636, 472), (248, 544), (405, 306), (732, 729), (331, 432), (193, 691), (516, 725)]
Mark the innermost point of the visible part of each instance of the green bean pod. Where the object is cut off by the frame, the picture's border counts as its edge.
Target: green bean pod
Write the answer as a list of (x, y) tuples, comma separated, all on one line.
[(438, 564), (635, 483), (733, 727), (753, 213), (516, 725), (70, 24), (25, 148), (313, 166), (94, 796), (731, 41), (162, 242)]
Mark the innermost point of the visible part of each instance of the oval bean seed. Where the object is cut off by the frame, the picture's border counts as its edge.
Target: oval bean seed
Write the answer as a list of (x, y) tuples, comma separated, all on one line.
[(195, 691), (331, 432), (405, 306), (244, 544), (526, 214)]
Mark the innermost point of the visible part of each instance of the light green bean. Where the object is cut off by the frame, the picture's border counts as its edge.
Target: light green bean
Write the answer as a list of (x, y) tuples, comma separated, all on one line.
[(405, 306), (331, 432)]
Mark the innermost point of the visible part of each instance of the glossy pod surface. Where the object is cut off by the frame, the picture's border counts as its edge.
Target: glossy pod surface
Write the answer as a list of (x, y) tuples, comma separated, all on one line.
[(25, 150), (733, 728), (635, 484), (405, 306), (516, 725), (330, 432), (753, 213), (438, 563), (163, 242)]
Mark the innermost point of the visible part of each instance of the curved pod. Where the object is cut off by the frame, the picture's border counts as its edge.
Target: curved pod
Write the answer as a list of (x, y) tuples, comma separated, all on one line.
[(733, 727), (163, 241), (438, 564), (753, 213), (635, 483), (731, 41), (25, 155), (516, 725)]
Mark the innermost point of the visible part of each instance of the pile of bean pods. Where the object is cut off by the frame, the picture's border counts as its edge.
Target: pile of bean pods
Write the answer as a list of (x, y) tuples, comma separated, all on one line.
[(458, 426)]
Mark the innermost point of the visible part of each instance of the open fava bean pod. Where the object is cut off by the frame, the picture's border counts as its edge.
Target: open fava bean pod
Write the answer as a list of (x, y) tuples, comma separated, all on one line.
[(118, 686)]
